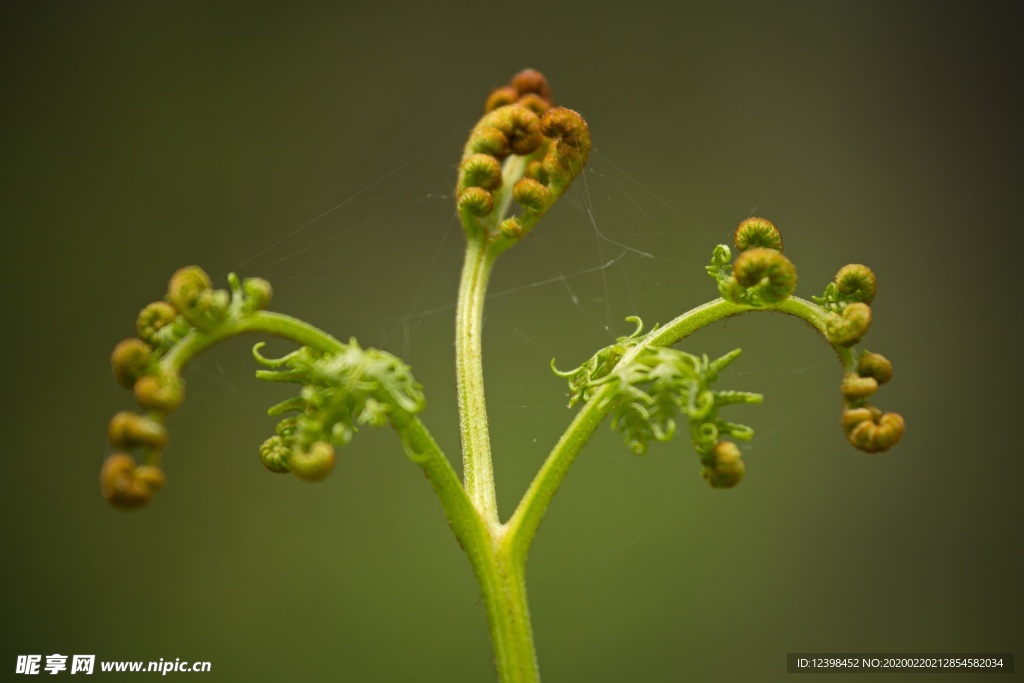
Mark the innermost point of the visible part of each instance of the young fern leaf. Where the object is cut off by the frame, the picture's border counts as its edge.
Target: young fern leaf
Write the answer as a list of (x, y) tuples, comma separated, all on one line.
[(583, 378), (656, 388), (341, 391), (344, 385)]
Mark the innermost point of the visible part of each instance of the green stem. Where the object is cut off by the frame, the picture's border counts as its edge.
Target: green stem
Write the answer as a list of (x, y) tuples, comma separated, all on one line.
[(478, 473), (503, 585), (497, 564), (522, 526), (277, 324)]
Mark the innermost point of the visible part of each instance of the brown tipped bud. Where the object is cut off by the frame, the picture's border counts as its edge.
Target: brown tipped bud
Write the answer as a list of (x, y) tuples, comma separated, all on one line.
[(489, 141), (153, 318), (475, 201), (500, 98), (161, 392), (855, 387), (129, 430), (857, 283), (875, 365), (274, 454), (877, 435), (512, 227), (772, 274), (535, 103), (314, 464), (531, 195), (192, 294), (848, 328), (723, 466), (523, 130), (187, 285), (127, 487), (757, 232), (131, 359), (532, 81), (480, 170), (567, 157), (511, 129), (854, 416)]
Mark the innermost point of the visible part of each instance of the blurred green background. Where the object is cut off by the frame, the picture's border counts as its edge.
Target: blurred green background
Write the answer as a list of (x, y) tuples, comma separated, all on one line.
[(139, 137)]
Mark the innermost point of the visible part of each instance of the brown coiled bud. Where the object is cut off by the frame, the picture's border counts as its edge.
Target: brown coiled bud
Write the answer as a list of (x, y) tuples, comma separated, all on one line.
[(531, 195), (535, 103), (512, 227), (875, 365), (529, 89), (849, 327), (314, 464), (162, 392), (854, 416), (773, 275), (532, 81), (131, 359), (193, 295), (126, 486), (511, 129), (129, 430), (187, 285), (524, 136), (475, 201), (877, 434), (855, 387), (567, 157), (857, 283), (724, 468), (274, 453), (153, 318), (757, 232), (500, 98), (480, 170), (489, 141)]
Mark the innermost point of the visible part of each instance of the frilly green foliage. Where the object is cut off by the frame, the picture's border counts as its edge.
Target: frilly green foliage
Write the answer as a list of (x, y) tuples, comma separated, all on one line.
[(655, 388), (340, 392)]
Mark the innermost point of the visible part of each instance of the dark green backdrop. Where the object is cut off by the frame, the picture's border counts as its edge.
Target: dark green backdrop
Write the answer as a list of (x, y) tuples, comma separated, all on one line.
[(140, 137)]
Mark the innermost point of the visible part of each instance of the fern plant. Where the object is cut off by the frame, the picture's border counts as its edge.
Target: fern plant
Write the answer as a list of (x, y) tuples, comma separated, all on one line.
[(523, 152)]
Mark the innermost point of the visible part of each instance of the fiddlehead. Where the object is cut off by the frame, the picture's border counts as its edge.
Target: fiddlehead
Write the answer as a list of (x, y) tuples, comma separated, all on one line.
[(522, 149), (866, 427), (757, 232), (761, 275), (344, 386)]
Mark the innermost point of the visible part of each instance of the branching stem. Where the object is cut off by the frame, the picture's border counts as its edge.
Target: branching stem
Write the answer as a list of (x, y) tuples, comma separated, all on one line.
[(524, 522)]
